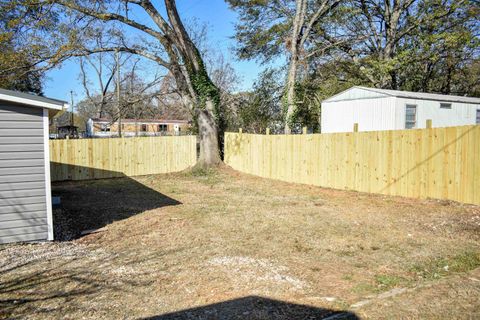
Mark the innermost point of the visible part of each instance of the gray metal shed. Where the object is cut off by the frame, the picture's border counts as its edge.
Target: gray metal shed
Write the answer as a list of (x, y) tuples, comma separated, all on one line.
[(25, 196)]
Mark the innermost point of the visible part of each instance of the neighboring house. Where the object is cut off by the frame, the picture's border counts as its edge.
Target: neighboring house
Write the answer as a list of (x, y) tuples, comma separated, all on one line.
[(140, 127), (65, 125), (380, 109), (25, 197), (68, 131)]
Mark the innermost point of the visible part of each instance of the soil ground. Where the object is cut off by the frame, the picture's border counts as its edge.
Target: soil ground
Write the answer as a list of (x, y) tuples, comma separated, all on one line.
[(224, 245)]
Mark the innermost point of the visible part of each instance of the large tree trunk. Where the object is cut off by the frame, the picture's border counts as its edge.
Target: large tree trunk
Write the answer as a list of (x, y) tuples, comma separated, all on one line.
[(293, 64), (185, 63), (208, 133), (198, 85)]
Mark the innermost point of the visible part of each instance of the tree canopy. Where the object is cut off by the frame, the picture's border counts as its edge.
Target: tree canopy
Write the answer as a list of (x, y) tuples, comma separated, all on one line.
[(162, 39), (20, 46), (416, 45)]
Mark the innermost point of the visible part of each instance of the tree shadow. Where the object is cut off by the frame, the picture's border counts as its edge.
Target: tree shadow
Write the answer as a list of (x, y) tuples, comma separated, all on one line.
[(255, 307), (93, 204), (54, 280)]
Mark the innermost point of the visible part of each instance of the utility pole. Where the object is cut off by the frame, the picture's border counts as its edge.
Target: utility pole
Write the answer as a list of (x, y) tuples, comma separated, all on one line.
[(72, 132), (71, 115), (117, 60)]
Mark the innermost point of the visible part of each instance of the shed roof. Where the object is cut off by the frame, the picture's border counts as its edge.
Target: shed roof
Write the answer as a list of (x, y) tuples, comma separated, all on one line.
[(410, 95), (32, 100)]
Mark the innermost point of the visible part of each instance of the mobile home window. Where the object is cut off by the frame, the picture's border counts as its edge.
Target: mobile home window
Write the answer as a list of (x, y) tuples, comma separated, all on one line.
[(105, 127), (478, 116), (445, 105), (410, 116), (162, 128), (144, 127)]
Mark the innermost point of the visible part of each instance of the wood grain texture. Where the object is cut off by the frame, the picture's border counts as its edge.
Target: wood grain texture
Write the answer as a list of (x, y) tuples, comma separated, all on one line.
[(85, 159), (440, 163)]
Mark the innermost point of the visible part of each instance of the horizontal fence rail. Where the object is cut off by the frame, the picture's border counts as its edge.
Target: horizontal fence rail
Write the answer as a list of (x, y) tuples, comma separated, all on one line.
[(84, 159), (441, 163)]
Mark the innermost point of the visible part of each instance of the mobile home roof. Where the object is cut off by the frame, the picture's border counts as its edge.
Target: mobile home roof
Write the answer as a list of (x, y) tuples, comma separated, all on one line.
[(411, 95)]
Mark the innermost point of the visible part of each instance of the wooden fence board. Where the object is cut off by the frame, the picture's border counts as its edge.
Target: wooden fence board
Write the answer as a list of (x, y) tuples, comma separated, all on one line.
[(85, 159), (441, 163)]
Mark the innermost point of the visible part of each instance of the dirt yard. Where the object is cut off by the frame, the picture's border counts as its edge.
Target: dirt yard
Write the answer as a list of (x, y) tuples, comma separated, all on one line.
[(222, 245)]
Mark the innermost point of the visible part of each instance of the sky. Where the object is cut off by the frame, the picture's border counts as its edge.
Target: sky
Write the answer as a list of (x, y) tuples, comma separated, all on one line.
[(215, 13)]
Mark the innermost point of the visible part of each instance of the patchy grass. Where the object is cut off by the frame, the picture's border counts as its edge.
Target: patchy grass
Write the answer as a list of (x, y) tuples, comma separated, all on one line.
[(219, 245), (386, 281), (435, 268), (364, 288)]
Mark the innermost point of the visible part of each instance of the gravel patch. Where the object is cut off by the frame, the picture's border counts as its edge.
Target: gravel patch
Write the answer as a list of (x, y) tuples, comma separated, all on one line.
[(249, 269), (14, 256)]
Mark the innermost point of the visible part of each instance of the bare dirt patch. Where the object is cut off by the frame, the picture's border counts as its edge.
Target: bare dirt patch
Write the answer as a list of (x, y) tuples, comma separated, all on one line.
[(221, 244)]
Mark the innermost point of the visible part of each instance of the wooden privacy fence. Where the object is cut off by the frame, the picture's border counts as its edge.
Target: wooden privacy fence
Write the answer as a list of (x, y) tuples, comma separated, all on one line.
[(116, 157), (441, 163)]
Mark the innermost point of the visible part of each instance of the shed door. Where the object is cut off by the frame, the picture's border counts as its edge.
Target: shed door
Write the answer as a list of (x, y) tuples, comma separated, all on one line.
[(23, 214)]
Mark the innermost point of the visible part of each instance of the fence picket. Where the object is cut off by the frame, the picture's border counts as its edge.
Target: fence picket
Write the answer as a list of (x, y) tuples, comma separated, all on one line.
[(85, 159), (442, 163)]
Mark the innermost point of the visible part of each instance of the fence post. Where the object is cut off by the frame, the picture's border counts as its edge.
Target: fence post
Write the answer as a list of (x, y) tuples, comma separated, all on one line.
[(240, 130), (267, 132), (428, 124), (304, 130), (355, 127)]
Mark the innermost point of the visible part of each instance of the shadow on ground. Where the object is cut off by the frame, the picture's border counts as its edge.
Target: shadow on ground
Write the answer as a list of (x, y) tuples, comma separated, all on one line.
[(254, 307), (93, 204), (60, 279)]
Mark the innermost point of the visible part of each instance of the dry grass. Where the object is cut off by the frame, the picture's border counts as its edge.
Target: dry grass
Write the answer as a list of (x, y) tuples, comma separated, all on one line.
[(179, 241)]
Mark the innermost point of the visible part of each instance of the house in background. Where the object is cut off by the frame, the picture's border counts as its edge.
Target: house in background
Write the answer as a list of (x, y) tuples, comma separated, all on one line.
[(379, 109), (65, 124), (25, 196), (67, 131), (97, 127)]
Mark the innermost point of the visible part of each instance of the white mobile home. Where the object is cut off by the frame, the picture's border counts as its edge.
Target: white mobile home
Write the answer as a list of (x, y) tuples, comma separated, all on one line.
[(25, 197), (379, 109)]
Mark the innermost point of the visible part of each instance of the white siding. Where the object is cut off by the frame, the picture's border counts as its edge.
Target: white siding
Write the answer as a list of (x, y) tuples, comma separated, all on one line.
[(459, 115), (370, 114), (388, 113)]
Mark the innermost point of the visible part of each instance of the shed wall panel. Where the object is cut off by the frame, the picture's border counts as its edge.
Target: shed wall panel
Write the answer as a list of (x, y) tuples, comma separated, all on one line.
[(23, 214), (23, 230), (22, 193), (21, 132), (8, 179), (21, 155), (24, 237), (14, 216), (21, 140), (22, 211), (21, 163), (16, 185), (20, 170), (21, 147), (31, 222), (21, 124)]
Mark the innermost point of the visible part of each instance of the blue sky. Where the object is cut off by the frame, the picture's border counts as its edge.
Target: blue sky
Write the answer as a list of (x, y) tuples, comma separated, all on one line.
[(215, 13)]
